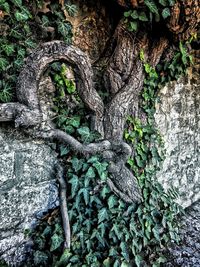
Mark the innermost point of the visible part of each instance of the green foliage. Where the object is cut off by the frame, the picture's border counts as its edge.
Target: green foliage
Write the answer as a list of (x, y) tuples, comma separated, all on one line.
[(153, 10), (105, 230), (22, 22)]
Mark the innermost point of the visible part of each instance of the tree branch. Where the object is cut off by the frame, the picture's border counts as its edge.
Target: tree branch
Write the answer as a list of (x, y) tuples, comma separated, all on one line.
[(157, 50)]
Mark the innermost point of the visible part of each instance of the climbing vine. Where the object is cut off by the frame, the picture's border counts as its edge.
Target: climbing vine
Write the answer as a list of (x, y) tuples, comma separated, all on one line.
[(106, 231), (23, 27)]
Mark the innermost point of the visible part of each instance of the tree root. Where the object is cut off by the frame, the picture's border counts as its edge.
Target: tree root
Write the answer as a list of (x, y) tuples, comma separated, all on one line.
[(63, 204)]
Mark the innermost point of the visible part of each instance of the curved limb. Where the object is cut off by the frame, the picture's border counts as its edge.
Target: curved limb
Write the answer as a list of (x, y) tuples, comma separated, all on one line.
[(38, 62)]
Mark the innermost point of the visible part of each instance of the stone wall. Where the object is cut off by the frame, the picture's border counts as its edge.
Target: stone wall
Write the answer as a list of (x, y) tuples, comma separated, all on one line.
[(27, 190), (178, 120)]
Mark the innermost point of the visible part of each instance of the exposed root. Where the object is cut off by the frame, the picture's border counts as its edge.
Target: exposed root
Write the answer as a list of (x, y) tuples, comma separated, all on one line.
[(63, 204)]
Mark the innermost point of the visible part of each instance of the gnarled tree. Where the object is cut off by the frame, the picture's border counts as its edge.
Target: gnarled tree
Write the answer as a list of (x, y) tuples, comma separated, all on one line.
[(123, 79)]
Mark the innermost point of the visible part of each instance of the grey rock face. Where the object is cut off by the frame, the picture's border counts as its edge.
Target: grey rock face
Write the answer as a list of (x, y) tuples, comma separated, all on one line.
[(178, 120), (187, 253), (27, 190)]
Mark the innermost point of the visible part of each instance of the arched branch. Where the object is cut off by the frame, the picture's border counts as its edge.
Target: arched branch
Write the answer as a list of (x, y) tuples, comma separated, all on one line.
[(34, 67)]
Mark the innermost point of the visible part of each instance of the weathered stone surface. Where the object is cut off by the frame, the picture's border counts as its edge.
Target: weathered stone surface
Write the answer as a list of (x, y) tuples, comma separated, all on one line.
[(27, 189), (187, 253), (178, 120)]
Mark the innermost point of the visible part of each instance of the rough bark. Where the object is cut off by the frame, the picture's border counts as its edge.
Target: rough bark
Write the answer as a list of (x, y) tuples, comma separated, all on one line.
[(124, 80)]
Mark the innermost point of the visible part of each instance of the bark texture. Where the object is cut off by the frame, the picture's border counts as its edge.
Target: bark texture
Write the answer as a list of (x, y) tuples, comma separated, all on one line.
[(123, 78)]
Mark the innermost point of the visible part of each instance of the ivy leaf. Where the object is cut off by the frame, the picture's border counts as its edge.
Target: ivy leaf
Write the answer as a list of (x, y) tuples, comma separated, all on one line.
[(163, 2), (5, 6), (124, 249), (8, 49), (152, 6), (143, 16), (3, 63), (86, 195), (21, 16), (17, 3), (105, 190), (127, 13), (64, 28), (64, 150), (138, 260), (74, 181), (133, 26), (102, 215), (93, 159), (76, 164), (166, 13), (71, 9), (100, 239), (112, 201), (90, 173), (107, 262), (101, 169), (134, 14), (75, 121), (56, 241), (156, 233), (85, 133), (124, 264), (116, 264), (171, 2), (40, 258)]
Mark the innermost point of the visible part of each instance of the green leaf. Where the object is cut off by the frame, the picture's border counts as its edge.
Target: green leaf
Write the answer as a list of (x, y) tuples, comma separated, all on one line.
[(64, 259), (105, 190), (85, 133), (71, 9), (40, 258), (64, 150), (166, 13), (163, 2), (127, 13), (76, 164), (134, 14), (101, 168), (143, 16), (107, 262), (75, 121), (8, 49), (133, 25), (112, 201), (156, 233), (113, 252), (3, 63), (86, 195), (56, 241), (17, 3), (21, 16), (93, 159), (100, 239), (74, 181), (102, 215), (152, 6), (124, 249), (124, 264), (6, 7), (90, 173), (64, 28), (117, 263), (171, 2), (75, 259), (138, 260)]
